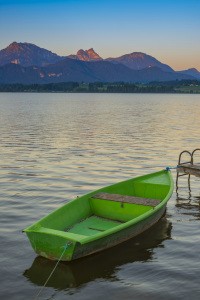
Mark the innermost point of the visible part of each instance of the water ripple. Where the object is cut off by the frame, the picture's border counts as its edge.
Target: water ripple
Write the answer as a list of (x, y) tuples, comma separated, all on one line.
[(55, 147)]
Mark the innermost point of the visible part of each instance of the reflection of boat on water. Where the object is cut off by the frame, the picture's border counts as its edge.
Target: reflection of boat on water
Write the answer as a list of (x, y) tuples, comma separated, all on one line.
[(102, 264)]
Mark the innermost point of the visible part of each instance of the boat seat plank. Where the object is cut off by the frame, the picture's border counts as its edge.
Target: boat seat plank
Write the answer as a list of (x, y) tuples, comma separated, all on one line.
[(127, 199)]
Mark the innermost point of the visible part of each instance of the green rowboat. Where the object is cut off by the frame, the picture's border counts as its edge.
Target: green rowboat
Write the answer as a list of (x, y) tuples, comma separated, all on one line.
[(103, 218)]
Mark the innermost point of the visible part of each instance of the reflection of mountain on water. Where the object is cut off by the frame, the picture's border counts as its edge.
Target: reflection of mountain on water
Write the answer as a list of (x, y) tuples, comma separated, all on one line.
[(102, 264)]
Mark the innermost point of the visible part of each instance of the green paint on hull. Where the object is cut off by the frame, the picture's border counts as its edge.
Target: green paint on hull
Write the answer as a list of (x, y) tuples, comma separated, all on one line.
[(91, 224)]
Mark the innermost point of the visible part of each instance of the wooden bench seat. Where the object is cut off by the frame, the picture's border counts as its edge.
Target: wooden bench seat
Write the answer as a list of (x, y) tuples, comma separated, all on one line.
[(127, 199)]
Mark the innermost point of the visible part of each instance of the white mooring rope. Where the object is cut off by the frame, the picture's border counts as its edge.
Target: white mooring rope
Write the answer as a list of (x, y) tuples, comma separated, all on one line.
[(52, 271)]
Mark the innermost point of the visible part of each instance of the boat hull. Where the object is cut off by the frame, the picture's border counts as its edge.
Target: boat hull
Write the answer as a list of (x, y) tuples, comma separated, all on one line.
[(118, 237), (91, 223)]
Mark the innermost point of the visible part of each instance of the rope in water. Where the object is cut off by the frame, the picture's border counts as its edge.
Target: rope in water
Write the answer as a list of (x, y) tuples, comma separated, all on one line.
[(52, 271)]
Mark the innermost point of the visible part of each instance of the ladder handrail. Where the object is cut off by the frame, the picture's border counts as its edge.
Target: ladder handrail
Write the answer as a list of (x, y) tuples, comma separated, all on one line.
[(179, 160), (192, 161)]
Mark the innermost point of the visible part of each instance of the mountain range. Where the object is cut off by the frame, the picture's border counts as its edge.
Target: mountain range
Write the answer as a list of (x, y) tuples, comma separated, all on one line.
[(27, 63)]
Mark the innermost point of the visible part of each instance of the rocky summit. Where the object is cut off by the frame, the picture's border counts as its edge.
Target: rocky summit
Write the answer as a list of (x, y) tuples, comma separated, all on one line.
[(139, 61), (26, 54), (86, 55)]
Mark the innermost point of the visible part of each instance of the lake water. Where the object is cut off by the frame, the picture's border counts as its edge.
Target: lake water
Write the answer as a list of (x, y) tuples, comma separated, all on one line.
[(55, 147)]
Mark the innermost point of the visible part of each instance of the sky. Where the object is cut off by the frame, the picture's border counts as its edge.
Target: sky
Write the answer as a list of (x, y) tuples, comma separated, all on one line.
[(167, 30)]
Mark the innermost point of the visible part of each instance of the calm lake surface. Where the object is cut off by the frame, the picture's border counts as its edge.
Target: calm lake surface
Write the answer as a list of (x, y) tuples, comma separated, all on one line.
[(55, 147)]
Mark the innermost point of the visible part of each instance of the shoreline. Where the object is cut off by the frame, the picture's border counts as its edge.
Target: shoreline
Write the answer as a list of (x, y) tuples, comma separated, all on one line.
[(166, 87)]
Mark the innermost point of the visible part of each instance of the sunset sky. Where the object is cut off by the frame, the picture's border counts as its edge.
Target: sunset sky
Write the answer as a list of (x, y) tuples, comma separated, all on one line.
[(168, 30)]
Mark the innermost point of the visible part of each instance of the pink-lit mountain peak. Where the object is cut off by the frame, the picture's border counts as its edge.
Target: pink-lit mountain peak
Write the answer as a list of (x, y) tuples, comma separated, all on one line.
[(14, 47), (139, 61), (27, 54), (86, 55)]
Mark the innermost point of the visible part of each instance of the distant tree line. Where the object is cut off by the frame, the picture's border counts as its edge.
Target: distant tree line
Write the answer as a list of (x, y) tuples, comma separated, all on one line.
[(103, 87), (175, 83), (132, 88), (50, 87)]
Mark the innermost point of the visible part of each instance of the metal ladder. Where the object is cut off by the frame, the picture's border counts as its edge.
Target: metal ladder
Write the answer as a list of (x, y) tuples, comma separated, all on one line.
[(191, 163)]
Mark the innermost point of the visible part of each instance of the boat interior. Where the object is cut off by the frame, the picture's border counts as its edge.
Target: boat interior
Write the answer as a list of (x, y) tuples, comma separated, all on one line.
[(95, 213)]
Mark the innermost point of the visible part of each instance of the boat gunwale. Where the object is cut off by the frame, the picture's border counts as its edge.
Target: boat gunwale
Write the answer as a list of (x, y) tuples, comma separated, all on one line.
[(40, 229)]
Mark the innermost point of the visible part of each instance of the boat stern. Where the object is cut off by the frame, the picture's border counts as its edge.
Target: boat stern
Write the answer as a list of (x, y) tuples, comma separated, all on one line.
[(50, 243)]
